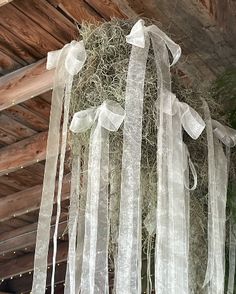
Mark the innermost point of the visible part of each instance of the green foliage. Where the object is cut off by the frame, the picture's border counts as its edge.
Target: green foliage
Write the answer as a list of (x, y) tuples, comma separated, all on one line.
[(224, 90)]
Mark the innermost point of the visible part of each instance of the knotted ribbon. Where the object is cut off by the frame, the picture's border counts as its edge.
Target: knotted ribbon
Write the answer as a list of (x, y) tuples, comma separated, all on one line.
[(218, 165), (170, 149), (103, 119), (67, 62)]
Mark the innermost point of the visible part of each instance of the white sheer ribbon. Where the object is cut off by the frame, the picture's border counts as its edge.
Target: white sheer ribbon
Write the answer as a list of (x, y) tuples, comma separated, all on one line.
[(70, 281), (232, 256), (173, 196), (68, 61), (107, 117), (169, 138), (217, 194)]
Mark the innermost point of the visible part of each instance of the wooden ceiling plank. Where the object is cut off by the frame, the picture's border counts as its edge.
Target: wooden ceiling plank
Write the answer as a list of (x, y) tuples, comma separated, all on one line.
[(37, 169), (38, 106), (23, 153), (12, 182), (6, 139), (25, 263), (47, 96), (27, 117), (27, 30), (106, 8), (23, 284), (7, 64), (19, 48), (15, 128), (49, 18), (6, 190), (79, 10), (25, 177), (24, 240), (27, 200), (24, 84)]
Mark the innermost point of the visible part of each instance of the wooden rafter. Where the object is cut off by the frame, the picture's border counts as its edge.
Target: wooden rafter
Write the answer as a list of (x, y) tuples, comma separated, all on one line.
[(27, 200), (25, 263), (23, 153), (25, 83)]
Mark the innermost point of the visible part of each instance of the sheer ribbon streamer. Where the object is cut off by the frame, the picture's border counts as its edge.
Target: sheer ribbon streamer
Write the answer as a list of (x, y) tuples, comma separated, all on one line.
[(67, 62), (171, 222), (107, 117), (217, 194), (232, 256), (70, 280)]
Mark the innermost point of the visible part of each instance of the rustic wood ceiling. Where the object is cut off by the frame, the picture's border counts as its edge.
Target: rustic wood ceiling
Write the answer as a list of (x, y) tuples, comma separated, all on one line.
[(206, 31)]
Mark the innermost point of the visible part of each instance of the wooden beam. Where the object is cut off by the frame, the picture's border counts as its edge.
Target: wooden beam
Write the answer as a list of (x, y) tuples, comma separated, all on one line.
[(25, 263), (23, 153), (27, 200), (25, 83), (18, 241)]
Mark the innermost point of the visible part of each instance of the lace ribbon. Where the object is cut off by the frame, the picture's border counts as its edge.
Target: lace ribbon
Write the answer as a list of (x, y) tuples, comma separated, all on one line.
[(68, 61), (217, 194), (107, 117)]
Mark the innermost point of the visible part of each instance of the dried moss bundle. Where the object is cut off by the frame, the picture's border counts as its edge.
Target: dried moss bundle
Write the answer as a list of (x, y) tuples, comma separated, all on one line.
[(104, 77)]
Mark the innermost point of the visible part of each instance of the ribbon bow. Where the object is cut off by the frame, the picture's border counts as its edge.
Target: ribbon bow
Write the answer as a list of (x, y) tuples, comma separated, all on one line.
[(75, 56), (67, 62), (137, 38), (191, 121), (107, 117)]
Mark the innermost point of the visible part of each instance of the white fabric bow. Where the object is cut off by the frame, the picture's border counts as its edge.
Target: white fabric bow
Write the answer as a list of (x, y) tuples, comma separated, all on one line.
[(109, 115), (68, 61), (137, 38), (191, 121), (74, 59), (103, 119)]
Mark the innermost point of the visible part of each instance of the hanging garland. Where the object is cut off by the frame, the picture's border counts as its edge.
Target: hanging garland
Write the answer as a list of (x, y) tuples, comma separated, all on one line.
[(132, 206)]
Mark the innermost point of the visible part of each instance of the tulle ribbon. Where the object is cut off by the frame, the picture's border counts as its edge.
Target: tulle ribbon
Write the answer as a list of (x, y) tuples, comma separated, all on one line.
[(107, 117), (67, 62), (218, 165), (172, 245)]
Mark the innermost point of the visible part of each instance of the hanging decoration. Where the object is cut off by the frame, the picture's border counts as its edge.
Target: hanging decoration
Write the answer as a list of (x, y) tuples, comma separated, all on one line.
[(67, 61), (140, 157)]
